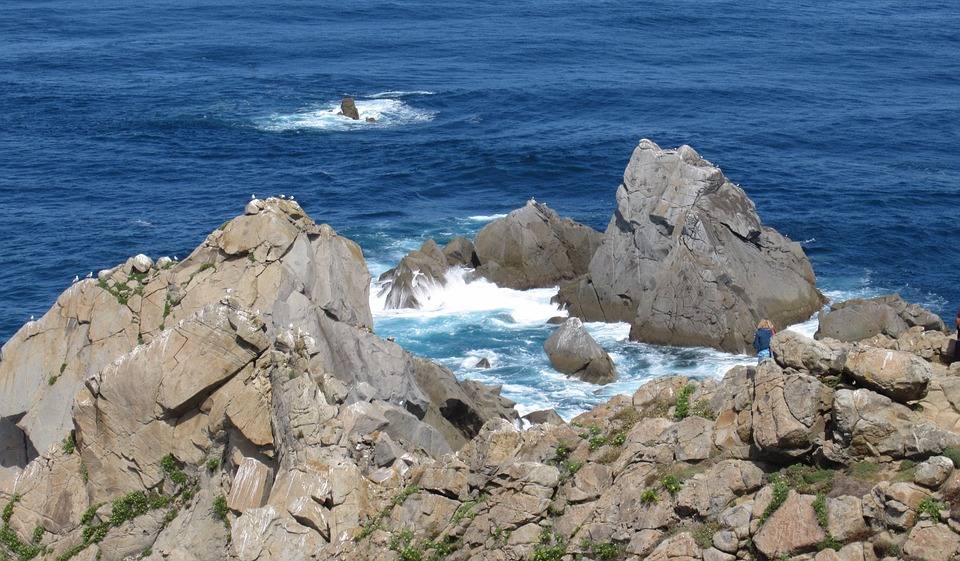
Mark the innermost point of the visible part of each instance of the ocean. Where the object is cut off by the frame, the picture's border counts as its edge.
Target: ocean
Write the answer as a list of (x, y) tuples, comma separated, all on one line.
[(139, 127)]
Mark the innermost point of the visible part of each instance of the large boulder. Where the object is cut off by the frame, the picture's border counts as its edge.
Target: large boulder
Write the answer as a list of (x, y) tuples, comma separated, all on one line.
[(898, 375), (533, 247), (859, 319), (870, 424), (573, 351), (789, 412), (793, 350), (686, 260)]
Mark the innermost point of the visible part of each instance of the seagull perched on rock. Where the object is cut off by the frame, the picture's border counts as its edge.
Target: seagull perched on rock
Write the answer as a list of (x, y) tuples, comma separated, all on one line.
[(282, 196), (89, 275), (253, 197), (31, 318), (76, 278), (291, 197)]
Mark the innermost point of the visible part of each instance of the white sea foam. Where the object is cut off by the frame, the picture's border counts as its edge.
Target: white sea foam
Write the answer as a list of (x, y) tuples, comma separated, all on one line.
[(399, 93), (387, 112), (485, 217), (461, 298)]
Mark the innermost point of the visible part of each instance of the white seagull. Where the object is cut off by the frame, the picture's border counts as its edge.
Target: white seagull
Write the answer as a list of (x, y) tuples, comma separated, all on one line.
[(31, 318), (253, 197), (76, 278), (90, 275), (282, 196)]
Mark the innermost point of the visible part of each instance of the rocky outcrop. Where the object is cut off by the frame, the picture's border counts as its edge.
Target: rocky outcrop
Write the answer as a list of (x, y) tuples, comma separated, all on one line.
[(686, 260), (248, 371), (898, 375), (533, 247), (573, 351), (409, 283), (859, 319), (348, 108)]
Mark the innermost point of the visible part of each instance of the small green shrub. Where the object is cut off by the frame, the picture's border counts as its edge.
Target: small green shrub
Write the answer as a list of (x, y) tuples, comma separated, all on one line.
[(464, 511), (671, 483), (682, 408), (602, 551), (561, 453), (213, 464), (551, 547), (780, 492), (953, 452), (702, 409), (51, 380), (596, 442), (703, 534), (829, 542), (403, 495), (619, 439), (87, 517), (820, 509), (402, 543), (37, 535), (220, 508), (68, 445), (930, 508), (649, 496)]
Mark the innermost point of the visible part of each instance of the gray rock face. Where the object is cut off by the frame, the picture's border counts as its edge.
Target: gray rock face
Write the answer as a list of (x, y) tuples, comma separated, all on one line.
[(859, 319), (686, 260), (793, 350), (532, 247), (460, 251), (348, 108), (420, 271), (573, 351)]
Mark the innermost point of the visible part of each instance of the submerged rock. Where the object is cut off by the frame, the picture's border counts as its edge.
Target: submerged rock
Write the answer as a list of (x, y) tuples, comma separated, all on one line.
[(348, 108), (573, 351), (533, 247), (686, 260)]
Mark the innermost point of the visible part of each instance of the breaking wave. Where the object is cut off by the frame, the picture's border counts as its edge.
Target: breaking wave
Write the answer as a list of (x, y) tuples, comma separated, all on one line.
[(387, 112)]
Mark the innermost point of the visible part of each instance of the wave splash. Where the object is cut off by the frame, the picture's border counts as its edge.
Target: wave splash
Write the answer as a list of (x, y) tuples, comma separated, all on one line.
[(387, 112)]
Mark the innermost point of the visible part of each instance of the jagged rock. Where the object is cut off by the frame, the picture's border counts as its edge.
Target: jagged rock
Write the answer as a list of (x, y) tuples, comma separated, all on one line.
[(251, 486), (264, 534), (686, 260), (933, 471), (791, 529), (460, 252), (896, 374), (868, 424), (483, 363), (859, 319), (932, 542), (793, 350), (893, 505), (532, 247), (573, 351), (707, 494), (544, 416), (407, 284), (789, 411), (348, 108)]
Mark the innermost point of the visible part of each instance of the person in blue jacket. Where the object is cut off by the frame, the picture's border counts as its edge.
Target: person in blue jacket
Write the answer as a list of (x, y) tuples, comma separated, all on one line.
[(761, 341), (956, 345)]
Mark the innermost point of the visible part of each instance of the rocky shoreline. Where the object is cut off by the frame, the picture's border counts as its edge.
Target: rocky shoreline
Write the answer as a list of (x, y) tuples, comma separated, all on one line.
[(238, 405)]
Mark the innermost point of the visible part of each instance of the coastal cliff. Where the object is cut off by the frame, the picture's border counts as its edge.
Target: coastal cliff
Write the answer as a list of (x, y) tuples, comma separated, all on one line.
[(238, 405)]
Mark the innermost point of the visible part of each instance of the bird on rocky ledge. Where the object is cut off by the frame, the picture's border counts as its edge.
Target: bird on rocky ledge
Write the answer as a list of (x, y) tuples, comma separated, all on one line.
[(76, 278), (89, 275), (282, 196), (31, 318), (253, 197)]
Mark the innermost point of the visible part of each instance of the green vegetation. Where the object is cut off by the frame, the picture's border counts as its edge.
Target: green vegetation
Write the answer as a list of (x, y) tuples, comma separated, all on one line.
[(829, 542), (930, 508), (441, 548), (68, 445), (552, 547), (649, 496), (702, 409), (561, 453), (51, 380), (463, 512), (220, 510), (671, 483), (703, 534), (953, 452), (402, 543), (626, 418), (404, 494), (213, 464), (808, 480), (170, 467), (906, 470), (864, 470), (84, 474), (682, 408), (780, 492), (619, 439), (500, 535), (820, 509), (10, 539), (602, 551)]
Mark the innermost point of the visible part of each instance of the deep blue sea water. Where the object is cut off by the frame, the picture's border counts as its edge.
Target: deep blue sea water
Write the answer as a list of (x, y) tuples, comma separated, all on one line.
[(139, 127)]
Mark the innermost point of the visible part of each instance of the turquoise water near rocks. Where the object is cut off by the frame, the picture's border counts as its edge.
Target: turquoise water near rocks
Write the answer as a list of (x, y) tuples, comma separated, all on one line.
[(128, 128)]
